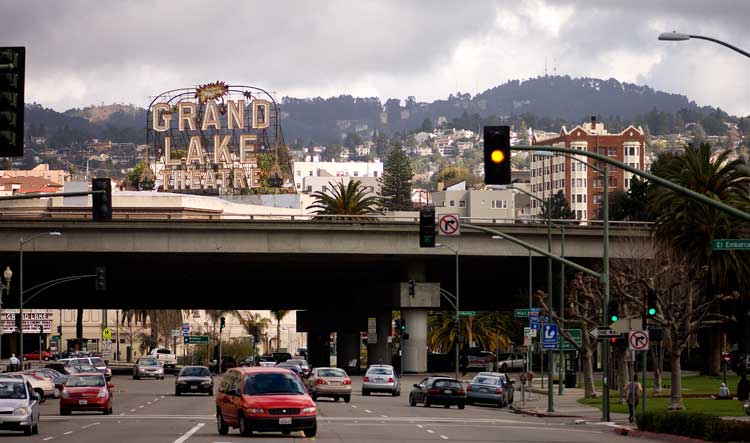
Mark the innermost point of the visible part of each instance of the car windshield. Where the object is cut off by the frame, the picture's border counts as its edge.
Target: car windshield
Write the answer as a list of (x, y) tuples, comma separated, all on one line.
[(148, 362), (272, 383), (450, 384), (331, 373), (96, 361), (163, 351), (12, 389), (194, 372), (85, 381), (379, 371), (484, 380)]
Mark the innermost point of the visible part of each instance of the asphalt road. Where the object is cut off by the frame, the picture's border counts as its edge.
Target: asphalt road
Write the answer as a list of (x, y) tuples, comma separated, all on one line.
[(147, 411)]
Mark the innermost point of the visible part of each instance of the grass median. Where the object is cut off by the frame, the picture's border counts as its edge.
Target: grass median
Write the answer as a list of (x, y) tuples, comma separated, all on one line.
[(722, 408), (694, 385)]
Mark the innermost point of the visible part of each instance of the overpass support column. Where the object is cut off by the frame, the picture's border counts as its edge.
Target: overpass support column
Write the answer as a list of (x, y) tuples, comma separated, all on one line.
[(319, 348), (347, 350), (380, 353), (414, 349)]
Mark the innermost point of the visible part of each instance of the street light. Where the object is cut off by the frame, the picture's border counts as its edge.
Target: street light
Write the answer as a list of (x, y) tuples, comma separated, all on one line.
[(4, 288), (22, 242), (458, 321), (678, 37)]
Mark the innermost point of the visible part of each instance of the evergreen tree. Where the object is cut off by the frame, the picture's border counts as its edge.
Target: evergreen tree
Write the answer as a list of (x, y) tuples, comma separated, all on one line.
[(396, 181), (560, 208)]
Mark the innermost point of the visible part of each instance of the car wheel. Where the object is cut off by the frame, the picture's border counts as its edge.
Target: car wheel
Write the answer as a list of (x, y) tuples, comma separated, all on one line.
[(57, 393), (395, 394), (314, 396), (64, 412), (347, 398), (311, 432), (426, 403), (365, 393), (110, 410), (221, 426), (28, 430), (244, 428), (135, 377), (210, 392), (500, 403), (446, 406), (176, 392), (42, 398), (106, 411), (461, 405), (504, 368), (412, 403), (469, 401), (336, 398)]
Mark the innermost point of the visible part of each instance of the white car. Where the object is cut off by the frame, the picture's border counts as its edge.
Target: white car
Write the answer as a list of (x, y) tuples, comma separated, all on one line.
[(41, 385), (165, 357)]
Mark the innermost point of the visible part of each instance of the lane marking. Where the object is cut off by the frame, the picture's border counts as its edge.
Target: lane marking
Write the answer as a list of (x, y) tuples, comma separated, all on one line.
[(354, 406), (384, 416), (122, 413), (420, 426), (430, 431), (140, 407), (443, 437), (132, 410), (189, 433), (148, 403), (67, 433), (48, 438), (368, 411), (88, 426)]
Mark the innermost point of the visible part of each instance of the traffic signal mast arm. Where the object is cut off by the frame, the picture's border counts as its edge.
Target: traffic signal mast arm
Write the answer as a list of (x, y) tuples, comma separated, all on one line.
[(48, 284), (448, 296), (656, 179)]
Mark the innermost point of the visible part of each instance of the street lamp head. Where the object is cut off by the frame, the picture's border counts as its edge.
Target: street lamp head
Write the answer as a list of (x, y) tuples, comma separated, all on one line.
[(673, 36), (7, 274)]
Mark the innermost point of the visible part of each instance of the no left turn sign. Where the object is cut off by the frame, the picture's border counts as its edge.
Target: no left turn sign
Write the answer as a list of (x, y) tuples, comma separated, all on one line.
[(638, 340), (449, 224)]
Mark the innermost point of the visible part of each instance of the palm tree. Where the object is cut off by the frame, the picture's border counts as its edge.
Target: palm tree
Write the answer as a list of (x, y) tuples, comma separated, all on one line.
[(252, 320), (689, 226), (487, 330), (278, 316), (160, 321), (349, 199)]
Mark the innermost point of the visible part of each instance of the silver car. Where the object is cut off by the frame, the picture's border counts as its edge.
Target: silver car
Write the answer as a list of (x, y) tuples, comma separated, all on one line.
[(148, 367), (381, 378), (19, 406)]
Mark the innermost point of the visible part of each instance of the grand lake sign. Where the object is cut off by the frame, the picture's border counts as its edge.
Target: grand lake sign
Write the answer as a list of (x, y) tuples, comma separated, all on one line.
[(211, 137)]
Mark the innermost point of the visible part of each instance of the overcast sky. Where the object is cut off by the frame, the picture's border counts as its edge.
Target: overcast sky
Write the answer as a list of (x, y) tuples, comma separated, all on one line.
[(88, 52)]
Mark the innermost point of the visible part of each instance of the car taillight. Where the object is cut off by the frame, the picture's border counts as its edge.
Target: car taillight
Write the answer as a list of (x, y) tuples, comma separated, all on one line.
[(390, 380), (498, 391), (468, 388), (367, 379), (433, 391), (348, 381), (320, 381), (460, 392)]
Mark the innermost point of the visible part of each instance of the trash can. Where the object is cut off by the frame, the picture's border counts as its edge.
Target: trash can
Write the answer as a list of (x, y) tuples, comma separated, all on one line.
[(570, 379)]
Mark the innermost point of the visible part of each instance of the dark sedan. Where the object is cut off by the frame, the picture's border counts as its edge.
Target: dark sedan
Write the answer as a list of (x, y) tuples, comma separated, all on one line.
[(194, 379), (444, 391)]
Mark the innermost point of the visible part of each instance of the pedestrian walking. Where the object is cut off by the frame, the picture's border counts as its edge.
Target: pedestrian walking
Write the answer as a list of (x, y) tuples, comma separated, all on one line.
[(743, 389), (13, 363), (634, 390)]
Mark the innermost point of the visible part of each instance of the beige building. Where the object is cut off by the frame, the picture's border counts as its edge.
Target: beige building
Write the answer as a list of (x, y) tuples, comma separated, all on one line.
[(58, 176), (492, 204)]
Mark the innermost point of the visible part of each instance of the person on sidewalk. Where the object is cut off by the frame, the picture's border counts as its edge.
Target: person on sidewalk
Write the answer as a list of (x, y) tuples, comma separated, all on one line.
[(743, 389), (634, 390), (13, 363)]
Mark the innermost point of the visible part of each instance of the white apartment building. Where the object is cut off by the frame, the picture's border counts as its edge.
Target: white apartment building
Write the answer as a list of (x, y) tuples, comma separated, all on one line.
[(485, 204), (303, 170)]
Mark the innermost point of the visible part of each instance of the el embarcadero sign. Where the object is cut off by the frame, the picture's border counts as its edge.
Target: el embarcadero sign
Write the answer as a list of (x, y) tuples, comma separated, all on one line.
[(731, 244)]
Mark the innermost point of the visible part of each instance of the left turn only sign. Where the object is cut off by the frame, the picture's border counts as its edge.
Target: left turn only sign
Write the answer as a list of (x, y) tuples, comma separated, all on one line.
[(449, 224)]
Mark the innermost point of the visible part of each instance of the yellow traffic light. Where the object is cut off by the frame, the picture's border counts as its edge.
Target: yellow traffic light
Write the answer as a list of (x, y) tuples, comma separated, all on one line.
[(497, 156)]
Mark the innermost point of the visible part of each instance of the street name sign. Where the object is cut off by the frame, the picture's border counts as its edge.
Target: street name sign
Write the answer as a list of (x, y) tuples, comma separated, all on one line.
[(727, 244), (196, 339), (601, 332), (449, 224), (467, 313), (549, 336), (576, 335), (524, 313), (638, 340)]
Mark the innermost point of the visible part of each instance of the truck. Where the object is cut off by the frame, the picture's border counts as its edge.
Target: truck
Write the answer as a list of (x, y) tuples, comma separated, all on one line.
[(166, 357)]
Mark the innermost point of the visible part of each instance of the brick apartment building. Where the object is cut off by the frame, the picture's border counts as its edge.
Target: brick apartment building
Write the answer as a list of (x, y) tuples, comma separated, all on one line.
[(584, 186)]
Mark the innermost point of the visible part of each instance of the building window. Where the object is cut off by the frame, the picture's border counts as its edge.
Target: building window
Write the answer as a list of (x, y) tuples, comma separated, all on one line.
[(612, 152), (309, 188), (356, 173), (598, 198), (613, 182), (375, 174), (584, 215), (579, 198), (299, 173), (499, 204), (451, 203), (311, 173), (579, 213), (462, 203), (584, 198), (627, 182), (579, 183), (325, 189), (299, 186)]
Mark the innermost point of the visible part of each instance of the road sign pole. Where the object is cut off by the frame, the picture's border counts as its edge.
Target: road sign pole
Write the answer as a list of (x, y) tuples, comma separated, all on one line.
[(550, 388), (529, 365), (644, 355), (561, 368)]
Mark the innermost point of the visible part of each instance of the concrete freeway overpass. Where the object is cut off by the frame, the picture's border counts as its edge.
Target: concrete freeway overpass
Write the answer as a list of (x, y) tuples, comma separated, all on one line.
[(341, 273)]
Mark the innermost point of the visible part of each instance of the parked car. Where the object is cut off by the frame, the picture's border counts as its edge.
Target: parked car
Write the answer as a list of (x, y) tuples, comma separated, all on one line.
[(487, 389), (508, 384), (479, 359), (511, 361), (381, 378), (51, 388), (194, 379), (57, 378), (86, 392), (165, 356), (303, 366), (148, 367), (329, 382), (260, 399), (446, 391), (19, 406), (34, 355)]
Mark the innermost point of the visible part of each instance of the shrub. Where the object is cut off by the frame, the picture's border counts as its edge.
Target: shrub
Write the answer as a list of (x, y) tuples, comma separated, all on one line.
[(695, 425)]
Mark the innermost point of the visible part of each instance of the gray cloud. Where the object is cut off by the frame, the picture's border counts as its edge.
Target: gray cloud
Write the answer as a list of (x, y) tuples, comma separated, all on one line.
[(84, 52)]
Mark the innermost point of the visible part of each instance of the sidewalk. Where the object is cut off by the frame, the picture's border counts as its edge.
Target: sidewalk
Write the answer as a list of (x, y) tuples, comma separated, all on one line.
[(535, 403)]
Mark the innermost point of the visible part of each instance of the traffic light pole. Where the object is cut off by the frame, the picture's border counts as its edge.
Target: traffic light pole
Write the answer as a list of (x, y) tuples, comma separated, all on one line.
[(644, 354), (605, 284), (550, 360)]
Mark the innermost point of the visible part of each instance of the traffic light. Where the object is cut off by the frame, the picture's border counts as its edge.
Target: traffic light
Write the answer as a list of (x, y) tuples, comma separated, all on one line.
[(427, 227), (101, 203), (397, 324), (101, 278), (41, 329), (59, 329), (612, 311), (651, 302), (497, 155), (412, 288), (222, 322), (403, 325), (620, 341), (12, 73), (256, 335)]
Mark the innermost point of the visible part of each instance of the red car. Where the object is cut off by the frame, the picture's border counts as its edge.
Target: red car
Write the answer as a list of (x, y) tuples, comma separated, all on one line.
[(86, 392), (264, 399), (35, 356)]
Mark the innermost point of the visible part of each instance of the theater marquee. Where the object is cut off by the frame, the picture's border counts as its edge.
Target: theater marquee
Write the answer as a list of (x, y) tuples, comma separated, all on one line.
[(207, 139)]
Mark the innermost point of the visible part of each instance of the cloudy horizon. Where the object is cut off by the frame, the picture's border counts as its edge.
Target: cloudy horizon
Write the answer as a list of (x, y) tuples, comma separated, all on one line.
[(81, 53)]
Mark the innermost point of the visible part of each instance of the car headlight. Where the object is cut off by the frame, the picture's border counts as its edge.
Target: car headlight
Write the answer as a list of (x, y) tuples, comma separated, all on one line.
[(206, 383), (255, 411), (309, 409), (21, 411), (102, 393), (65, 393), (180, 382)]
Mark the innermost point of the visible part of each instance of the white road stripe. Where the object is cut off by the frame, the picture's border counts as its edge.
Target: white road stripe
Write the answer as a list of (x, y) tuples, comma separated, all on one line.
[(384, 416), (48, 438), (88, 426), (67, 433), (430, 431), (189, 433), (132, 410), (443, 437), (420, 426), (148, 402), (140, 407), (368, 411), (122, 413), (354, 406)]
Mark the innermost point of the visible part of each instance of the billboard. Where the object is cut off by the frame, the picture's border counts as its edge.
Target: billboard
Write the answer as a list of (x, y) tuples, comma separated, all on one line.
[(216, 139), (32, 319)]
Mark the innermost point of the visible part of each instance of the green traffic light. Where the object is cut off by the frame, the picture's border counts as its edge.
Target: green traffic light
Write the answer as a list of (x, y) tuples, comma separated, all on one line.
[(614, 318), (651, 311)]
